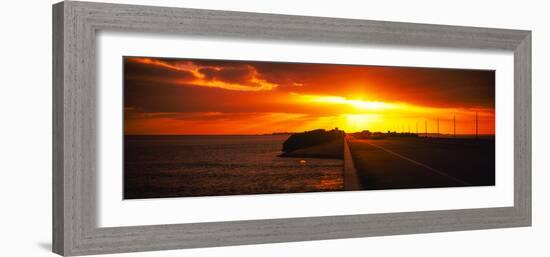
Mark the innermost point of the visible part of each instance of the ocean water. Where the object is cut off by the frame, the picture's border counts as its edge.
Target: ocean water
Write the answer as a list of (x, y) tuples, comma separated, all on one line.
[(180, 166)]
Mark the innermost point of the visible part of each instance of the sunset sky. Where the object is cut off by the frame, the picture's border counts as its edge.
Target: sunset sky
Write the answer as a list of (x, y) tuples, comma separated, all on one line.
[(192, 96)]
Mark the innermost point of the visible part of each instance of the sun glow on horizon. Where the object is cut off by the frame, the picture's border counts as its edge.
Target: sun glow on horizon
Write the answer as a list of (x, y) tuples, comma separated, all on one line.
[(359, 104), (349, 115), (357, 115)]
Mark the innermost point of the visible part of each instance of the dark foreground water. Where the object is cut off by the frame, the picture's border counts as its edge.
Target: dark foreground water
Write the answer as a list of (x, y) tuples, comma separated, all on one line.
[(179, 166)]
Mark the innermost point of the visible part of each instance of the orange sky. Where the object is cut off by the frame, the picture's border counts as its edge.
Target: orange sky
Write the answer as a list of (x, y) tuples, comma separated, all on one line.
[(193, 96)]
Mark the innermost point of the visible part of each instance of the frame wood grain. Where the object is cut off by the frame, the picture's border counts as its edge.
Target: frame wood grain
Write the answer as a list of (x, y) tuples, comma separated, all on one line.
[(75, 25)]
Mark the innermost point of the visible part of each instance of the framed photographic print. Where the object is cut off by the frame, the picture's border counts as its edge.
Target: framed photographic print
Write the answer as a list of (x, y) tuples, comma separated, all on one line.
[(182, 128)]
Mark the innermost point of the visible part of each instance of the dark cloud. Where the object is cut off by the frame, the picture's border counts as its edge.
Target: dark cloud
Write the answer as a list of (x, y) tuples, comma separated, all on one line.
[(147, 72), (169, 97), (238, 75)]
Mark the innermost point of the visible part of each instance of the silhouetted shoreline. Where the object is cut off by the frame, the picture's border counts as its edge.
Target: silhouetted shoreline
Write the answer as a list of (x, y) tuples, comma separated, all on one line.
[(317, 143)]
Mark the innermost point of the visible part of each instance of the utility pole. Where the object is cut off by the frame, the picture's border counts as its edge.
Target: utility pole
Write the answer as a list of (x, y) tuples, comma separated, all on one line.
[(426, 128), (476, 125), (454, 125), (416, 127), (437, 127)]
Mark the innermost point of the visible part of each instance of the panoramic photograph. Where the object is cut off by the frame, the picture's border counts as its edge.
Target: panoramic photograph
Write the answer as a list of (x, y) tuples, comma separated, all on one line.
[(205, 127)]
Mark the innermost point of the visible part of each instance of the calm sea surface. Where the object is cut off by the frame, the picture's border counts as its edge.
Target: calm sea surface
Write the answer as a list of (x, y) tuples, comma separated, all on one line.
[(178, 166)]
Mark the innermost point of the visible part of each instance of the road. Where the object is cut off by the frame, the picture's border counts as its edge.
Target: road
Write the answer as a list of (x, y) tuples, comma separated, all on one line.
[(397, 163)]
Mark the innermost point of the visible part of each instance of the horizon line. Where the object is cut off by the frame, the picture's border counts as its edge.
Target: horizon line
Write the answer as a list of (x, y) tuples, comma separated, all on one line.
[(282, 133)]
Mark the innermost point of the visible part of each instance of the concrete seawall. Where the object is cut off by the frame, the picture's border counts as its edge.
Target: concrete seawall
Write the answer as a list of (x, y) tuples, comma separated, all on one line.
[(351, 180)]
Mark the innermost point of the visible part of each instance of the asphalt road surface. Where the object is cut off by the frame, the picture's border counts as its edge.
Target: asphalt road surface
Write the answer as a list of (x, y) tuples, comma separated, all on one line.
[(398, 163)]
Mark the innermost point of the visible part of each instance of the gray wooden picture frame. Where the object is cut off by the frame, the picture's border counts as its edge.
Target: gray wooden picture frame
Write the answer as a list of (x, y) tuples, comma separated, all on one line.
[(75, 25)]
